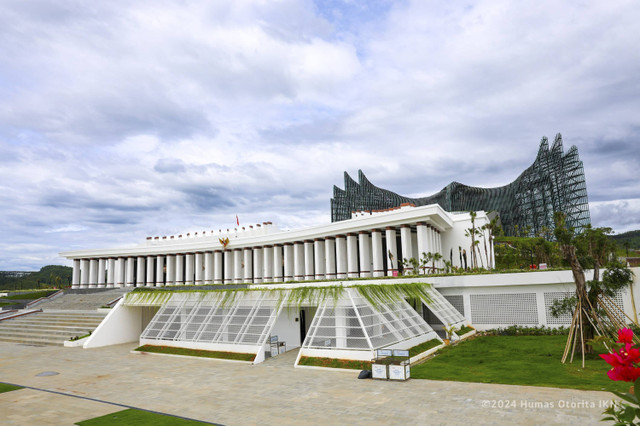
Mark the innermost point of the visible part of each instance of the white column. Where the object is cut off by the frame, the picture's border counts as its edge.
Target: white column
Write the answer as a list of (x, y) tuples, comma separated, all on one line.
[(179, 269), (140, 273), (407, 249), (93, 273), (130, 282), (439, 247), (159, 271), (199, 268), (392, 251), (171, 269), (298, 261), (352, 256), (208, 267), (217, 267), (121, 272), (341, 257), (228, 267), (289, 262), (188, 269), (257, 265), (150, 271), (248, 265), (84, 273), (318, 258), (237, 266), (111, 272), (434, 238), (277, 263), (75, 278), (376, 253), (102, 268), (267, 264), (424, 240), (330, 258), (308, 260), (364, 249)]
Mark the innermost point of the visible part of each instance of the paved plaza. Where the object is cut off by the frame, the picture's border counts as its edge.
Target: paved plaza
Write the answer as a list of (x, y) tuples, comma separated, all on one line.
[(89, 382)]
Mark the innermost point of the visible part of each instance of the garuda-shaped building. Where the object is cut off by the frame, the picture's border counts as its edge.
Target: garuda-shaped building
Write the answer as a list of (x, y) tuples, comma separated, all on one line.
[(555, 182)]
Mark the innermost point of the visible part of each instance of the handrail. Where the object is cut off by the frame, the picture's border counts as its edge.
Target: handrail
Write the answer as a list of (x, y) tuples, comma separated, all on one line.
[(113, 302), (20, 314), (42, 299)]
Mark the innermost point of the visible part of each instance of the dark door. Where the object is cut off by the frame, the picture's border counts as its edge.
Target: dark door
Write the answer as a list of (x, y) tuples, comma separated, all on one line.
[(303, 326)]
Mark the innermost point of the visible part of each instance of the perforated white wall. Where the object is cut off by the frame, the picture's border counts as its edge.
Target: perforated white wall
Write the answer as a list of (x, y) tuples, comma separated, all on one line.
[(508, 309), (549, 298)]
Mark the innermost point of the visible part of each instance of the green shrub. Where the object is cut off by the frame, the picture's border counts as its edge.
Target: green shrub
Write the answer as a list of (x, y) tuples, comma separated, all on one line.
[(516, 330)]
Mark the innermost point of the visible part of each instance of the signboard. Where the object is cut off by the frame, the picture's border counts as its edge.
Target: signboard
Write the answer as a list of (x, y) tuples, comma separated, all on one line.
[(379, 371), (274, 339), (398, 352), (383, 352), (395, 273), (274, 351), (407, 372), (543, 266)]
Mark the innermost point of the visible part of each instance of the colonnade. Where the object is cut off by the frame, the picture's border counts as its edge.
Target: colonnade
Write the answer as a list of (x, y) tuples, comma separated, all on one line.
[(362, 254)]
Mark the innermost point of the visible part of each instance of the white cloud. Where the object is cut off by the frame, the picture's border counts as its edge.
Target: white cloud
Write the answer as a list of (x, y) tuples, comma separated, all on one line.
[(124, 120)]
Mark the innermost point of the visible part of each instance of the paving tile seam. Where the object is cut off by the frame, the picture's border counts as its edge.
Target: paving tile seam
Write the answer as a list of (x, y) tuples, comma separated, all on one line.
[(117, 404)]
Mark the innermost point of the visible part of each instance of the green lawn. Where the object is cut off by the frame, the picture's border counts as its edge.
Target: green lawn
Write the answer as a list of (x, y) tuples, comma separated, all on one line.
[(196, 352), (7, 388), (30, 296), (517, 360), (137, 417)]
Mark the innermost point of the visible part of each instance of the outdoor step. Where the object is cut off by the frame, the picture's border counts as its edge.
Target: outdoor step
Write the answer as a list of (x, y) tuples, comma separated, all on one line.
[(58, 336), (23, 327), (32, 341), (61, 323)]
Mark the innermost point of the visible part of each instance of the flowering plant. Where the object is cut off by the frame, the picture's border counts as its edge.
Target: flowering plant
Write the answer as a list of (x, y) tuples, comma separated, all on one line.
[(624, 359)]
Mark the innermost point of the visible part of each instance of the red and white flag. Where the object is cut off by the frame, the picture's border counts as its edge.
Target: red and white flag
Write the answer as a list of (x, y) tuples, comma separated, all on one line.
[(237, 220)]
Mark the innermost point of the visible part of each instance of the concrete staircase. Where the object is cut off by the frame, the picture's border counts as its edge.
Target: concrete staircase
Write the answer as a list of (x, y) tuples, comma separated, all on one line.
[(49, 328), (83, 302)]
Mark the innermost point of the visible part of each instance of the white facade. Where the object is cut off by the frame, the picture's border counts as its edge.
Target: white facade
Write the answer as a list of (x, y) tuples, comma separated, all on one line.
[(368, 245)]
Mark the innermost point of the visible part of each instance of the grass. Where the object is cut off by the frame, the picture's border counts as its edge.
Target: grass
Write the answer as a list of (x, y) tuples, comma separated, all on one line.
[(517, 360), (196, 352), (464, 330), (335, 363), (30, 296), (4, 387), (423, 347), (7, 303), (137, 417)]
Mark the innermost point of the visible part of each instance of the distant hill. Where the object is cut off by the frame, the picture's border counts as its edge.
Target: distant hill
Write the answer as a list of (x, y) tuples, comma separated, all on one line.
[(632, 236), (47, 277)]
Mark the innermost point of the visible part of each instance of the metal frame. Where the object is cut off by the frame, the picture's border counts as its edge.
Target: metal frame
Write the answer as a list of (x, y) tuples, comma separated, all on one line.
[(555, 182)]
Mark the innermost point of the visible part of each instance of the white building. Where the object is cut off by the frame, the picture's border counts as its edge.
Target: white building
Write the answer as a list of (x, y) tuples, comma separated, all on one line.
[(371, 244)]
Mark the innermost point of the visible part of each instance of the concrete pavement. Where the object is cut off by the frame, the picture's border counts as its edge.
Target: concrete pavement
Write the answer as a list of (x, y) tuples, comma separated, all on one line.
[(269, 393)]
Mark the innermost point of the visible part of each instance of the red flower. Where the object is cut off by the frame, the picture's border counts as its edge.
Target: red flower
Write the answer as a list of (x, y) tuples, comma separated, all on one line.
[(625, 335), (625, 374), (624, 357)]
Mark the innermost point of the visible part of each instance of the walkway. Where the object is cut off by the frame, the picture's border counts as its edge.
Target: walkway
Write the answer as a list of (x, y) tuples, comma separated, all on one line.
[(233, 393)]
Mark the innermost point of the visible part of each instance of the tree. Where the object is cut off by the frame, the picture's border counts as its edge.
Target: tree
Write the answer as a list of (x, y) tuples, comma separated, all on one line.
[(588, 319), (437, 257), (471, 233)]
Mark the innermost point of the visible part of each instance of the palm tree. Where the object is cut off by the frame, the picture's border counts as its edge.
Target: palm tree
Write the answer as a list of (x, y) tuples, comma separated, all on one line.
[(424, 261), (437, 257)]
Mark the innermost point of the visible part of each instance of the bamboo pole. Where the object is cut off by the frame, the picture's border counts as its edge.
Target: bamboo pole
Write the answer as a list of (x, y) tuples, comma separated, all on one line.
[(582, 338), (567, 347)]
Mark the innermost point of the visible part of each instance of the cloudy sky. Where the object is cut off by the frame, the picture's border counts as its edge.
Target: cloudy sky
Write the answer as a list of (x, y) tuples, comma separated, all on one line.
[(121, 120)]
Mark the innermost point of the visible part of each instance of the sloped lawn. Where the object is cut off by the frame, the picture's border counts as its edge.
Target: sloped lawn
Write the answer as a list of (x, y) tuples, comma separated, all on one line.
[(517, 360)]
